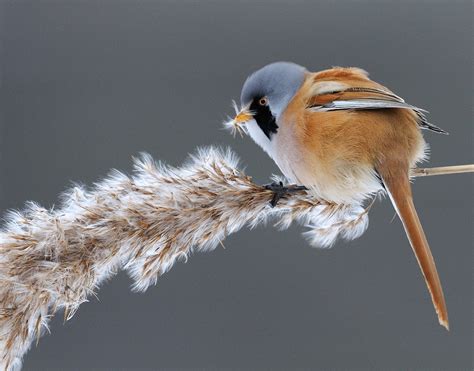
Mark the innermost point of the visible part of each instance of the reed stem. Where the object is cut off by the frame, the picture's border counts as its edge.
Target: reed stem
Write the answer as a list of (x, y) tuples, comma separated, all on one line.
[(443, 170)]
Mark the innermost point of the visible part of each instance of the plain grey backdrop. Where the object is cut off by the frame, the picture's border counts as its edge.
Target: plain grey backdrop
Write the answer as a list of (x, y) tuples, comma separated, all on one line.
[(88, 84)]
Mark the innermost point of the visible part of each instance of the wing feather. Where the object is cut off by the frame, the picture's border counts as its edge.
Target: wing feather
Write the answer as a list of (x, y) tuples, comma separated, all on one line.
[(344, 97), (362, 104)]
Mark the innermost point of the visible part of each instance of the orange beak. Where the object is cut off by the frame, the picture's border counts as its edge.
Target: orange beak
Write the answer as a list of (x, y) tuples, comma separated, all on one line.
[(242, 117)]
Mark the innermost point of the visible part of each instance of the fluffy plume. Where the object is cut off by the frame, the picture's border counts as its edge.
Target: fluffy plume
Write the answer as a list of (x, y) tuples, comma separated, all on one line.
[(55, 259)]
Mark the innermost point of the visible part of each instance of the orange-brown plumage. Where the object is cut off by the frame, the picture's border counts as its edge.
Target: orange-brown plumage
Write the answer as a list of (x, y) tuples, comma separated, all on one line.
[(346, 137), (396, 181), (334, 151)]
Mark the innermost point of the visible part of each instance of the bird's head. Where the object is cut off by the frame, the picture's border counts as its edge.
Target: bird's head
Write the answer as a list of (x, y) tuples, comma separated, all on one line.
[(265, 96)]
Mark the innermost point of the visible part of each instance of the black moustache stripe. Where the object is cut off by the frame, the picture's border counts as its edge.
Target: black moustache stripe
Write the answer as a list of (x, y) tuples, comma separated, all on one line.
[(264, 118)]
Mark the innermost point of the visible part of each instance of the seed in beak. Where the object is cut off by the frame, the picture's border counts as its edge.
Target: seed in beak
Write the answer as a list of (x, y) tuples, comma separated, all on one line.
[(242, 117)]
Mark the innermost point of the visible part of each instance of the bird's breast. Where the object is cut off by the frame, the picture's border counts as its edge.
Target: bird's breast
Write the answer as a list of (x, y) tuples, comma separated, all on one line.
[(329, 166)]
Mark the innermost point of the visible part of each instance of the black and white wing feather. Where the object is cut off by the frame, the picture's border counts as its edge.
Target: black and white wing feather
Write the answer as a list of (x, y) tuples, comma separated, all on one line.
[(367, 99)]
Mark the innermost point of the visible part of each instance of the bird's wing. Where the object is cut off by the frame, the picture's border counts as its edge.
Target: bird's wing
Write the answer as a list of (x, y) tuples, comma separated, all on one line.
[(350, 89), (396, 181)]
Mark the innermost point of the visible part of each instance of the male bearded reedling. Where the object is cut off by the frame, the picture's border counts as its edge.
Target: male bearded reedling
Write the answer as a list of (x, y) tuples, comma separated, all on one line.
[(344, 137)]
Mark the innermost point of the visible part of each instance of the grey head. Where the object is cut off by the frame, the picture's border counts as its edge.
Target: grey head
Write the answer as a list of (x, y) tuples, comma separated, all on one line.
[(268, 91)]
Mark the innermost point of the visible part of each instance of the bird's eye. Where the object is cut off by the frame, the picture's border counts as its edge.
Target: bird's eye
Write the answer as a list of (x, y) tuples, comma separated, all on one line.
[(263, 101)]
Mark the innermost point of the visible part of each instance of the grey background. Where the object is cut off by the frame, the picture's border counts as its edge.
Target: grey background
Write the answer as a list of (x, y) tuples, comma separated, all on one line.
[(88, 84)]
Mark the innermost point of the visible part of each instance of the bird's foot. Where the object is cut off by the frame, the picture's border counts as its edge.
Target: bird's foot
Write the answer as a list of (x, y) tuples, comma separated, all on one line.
[(279, 191)]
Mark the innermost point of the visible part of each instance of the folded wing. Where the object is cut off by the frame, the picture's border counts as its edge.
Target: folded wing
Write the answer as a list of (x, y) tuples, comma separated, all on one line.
[(350, 89)]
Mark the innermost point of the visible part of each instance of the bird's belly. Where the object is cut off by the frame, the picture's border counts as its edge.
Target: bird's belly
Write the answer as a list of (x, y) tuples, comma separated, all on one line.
[(344, 184), (336, 181)]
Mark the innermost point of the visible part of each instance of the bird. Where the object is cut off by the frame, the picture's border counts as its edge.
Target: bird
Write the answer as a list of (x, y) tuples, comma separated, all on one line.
[(344, 137)]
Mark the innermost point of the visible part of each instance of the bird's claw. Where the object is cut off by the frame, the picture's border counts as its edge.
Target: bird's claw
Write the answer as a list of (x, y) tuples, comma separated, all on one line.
[(279, 191)]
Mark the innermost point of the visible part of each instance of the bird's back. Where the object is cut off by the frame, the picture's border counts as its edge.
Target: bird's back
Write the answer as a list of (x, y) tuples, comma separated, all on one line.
[(336, 152)]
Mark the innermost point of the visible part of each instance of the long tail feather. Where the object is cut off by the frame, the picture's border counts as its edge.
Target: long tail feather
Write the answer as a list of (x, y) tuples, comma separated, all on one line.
[(398, 187)]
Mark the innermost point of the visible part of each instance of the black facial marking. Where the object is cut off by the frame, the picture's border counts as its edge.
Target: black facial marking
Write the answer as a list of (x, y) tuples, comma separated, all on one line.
[(264, 118)]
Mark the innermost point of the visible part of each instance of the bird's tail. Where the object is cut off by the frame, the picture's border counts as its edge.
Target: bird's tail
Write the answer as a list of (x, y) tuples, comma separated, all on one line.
[(397, 184)]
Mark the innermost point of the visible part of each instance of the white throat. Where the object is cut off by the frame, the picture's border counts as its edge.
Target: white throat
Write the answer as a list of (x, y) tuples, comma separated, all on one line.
[(260, 138)]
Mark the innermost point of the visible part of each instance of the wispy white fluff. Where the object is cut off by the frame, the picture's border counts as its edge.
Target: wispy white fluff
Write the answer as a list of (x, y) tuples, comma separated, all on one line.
[(144, 223)]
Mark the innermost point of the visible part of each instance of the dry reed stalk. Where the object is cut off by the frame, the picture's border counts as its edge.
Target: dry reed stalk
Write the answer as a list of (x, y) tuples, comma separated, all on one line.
[(54, 259), (443, 170)]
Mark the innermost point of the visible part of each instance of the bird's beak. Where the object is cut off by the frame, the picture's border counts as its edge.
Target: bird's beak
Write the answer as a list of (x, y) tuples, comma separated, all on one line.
[(242, 117), (237, 124)]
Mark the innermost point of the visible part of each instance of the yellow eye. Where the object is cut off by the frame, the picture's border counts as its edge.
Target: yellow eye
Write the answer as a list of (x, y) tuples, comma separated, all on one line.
[(263, 101)]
